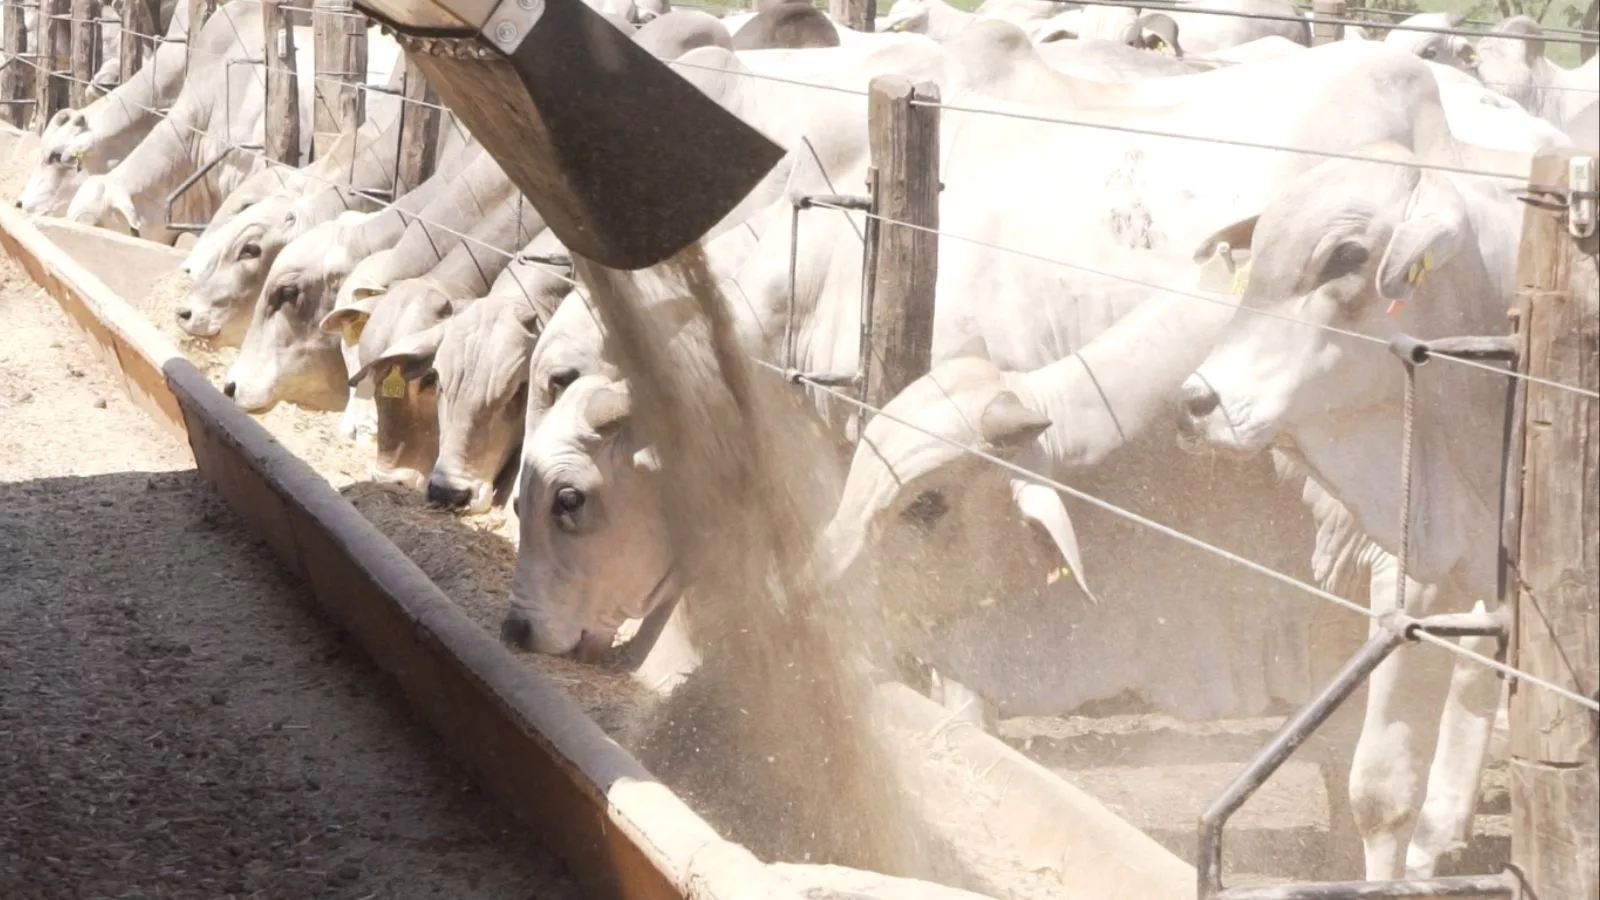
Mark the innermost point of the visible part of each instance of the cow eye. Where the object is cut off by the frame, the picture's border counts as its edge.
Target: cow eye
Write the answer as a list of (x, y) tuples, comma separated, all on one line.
[(565, 506), (1429, 53), (430, 379), (284, 295), (54, 158), (1347, 258), (561, 379), (927, 508), (250, 251)]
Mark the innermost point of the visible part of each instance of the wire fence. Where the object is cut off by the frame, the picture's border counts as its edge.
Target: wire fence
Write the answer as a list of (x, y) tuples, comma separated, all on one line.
[(798, 377)]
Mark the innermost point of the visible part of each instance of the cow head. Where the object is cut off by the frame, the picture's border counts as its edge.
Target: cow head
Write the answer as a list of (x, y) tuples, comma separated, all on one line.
[(593, 550), (286, 356), (478, 361), (1451, 50), (1376, 248), (394, 330), (228, 266), (939, 528), (66, 157), (105, 203)]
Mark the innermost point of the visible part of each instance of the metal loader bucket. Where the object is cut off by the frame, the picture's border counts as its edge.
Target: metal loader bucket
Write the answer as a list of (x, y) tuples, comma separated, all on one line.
[(626, 161)]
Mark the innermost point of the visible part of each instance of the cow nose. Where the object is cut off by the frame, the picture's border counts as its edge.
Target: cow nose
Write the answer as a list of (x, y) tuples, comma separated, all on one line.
[(1199, 400), (18, 204), (516, 632), (185, 315), (441, 494), (228, 389)]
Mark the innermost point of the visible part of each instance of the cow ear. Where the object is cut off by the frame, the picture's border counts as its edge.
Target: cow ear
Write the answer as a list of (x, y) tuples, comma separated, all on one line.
[(1158, 31), (607, 409), (1237, 236), (1008, 423), (1429, 236), (1041, 506), (345, 319), (413, 354)]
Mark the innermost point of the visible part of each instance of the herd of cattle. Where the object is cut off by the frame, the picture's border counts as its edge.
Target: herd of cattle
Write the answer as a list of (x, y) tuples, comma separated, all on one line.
[(1104, 352)]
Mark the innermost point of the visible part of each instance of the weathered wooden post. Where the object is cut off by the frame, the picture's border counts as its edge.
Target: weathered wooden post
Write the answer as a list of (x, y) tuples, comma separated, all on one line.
[(199, 12), (341, 64), (1324, 31), (16, 79), (52, 40), (903, 119), (138, 20), (85, 48), (858, 14), (419, 132), (1591, 21), (281, 122), (1554, 518)]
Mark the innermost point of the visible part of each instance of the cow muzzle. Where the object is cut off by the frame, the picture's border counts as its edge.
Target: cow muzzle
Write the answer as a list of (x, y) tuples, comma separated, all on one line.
[(1196, 406)]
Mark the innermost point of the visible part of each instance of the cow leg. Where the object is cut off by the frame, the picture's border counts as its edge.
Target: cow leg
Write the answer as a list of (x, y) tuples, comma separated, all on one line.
[(1386, 769), (1464, 730)]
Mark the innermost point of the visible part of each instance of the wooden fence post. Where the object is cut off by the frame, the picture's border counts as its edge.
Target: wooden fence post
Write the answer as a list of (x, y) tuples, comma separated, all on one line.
[(85, 49), (905, 188), (341, 56), (1591, 21), (52, 38), (281, 121), (1555, 576), (199, 12), (1325, 32), (858, 14), (419, 132), (138, 20), (16, 80)]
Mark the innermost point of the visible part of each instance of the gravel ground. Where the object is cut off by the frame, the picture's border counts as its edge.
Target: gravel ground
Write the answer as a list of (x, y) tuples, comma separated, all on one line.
[(172, 723)]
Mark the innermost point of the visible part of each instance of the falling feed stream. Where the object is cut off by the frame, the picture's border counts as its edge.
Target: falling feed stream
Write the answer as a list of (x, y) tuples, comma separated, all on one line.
[(788, 683)]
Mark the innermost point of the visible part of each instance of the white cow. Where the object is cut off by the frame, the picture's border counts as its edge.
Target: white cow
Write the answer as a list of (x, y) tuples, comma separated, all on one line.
[(1447, 49), (1382, 248), (285, 356), (220, 108), (1515, 65), (479, 360), (78, 143), (229, 262)]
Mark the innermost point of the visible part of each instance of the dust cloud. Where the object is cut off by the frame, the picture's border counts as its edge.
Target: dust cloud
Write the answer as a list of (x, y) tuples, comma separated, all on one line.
[(784, 693)]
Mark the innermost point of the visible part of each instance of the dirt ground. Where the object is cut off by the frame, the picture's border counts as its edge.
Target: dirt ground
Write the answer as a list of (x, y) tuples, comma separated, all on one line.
[(173, 722)]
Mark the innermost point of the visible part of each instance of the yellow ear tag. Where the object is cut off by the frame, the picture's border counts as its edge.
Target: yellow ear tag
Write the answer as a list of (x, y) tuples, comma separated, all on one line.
[(394, 386), (351, 332), (1241, 279)]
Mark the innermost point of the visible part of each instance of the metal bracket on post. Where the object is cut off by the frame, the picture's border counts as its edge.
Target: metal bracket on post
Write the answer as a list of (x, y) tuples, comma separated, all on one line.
[(1396, 629), (1577, 201), (191, 181), (1581, 213), (804, 202)]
